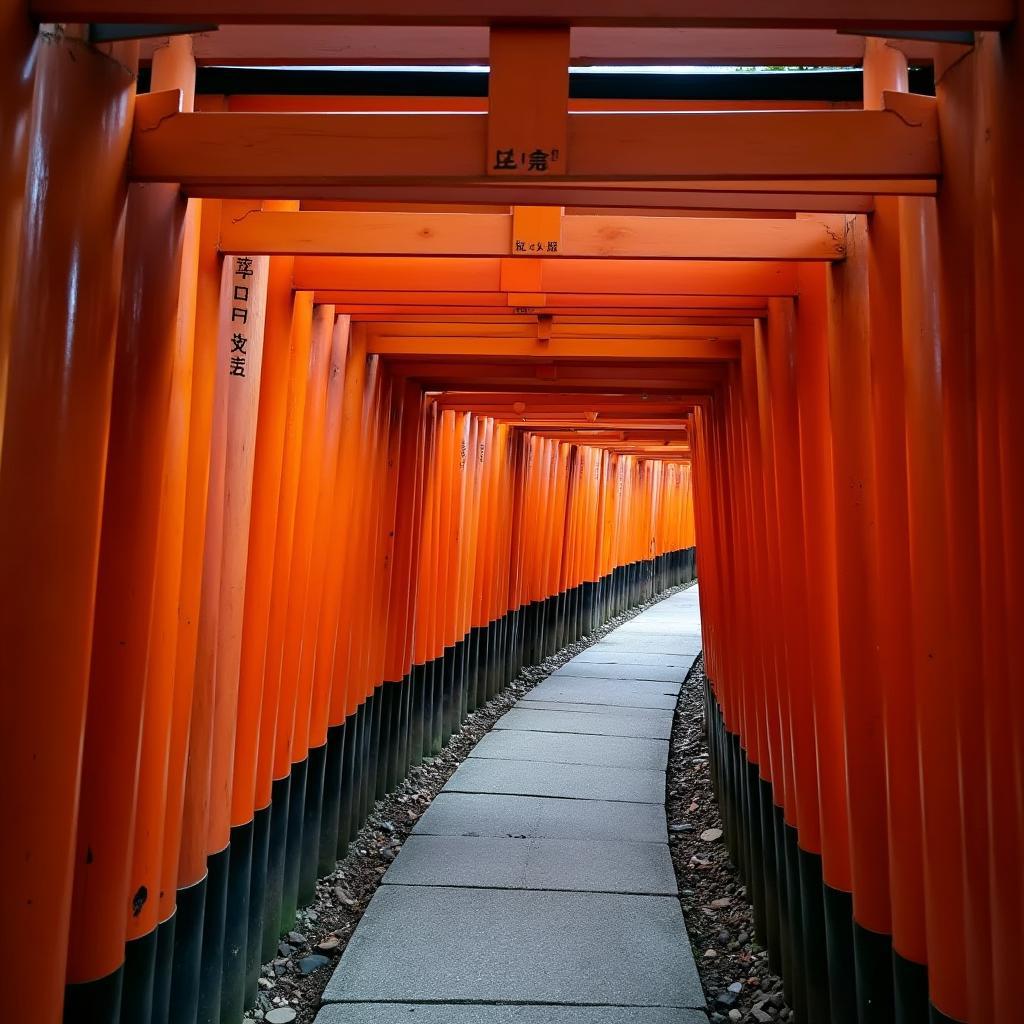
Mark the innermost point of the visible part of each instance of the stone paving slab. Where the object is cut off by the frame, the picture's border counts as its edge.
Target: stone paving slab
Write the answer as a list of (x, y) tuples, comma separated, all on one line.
[(586, 686), (608, 701), (570, 781), (640, 673), (583, 700), (610, 654), (656, 645), (534, 817), (568, 702), (515, 1013), (627, 752), (651, 727), (565, 864), (417, 944), (675, 638)]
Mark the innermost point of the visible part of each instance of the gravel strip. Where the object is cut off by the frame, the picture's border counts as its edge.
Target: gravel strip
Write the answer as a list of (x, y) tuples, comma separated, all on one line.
[(295, 980), (719, 917)]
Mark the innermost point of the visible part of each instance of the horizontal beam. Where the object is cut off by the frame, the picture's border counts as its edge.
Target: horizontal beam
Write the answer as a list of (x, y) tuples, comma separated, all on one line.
[(508, 328), (273, 154), (533, 404), (370, 313), (790, 14), (590, 377), (480, 321), (557, 348), (354, 45), (570, 276), (724, 199), (670, 433), (460, 234)]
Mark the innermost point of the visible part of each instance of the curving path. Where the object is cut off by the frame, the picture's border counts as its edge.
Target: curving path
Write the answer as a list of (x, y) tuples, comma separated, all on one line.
[(538, 888)]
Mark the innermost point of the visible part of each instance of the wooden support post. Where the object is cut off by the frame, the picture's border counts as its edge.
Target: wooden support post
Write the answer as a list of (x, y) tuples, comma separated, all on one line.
[(1000, 364), (17, 64), (150, 935), (528, 97), (183, 863), (238, 371), (885, 69), (59, 337), (959, 221), (853, 444)]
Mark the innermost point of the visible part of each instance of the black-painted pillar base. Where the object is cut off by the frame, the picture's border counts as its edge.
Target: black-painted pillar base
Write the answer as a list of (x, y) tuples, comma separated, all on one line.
[(236, 922), (212, 960), (139, 978), (160, 1013), (183, 1002)]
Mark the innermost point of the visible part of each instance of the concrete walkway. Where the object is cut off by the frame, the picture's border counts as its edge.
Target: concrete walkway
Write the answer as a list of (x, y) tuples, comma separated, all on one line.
[(538, 888)]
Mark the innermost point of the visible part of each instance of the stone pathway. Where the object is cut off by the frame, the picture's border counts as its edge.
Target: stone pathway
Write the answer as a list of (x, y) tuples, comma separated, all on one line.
[(538, 887)]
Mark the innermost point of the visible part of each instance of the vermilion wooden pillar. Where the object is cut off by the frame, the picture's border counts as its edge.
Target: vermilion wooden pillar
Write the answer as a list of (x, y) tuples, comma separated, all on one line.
[(246, 802), (780, 669), (922, 356), (958, 219), (885, 68), (274, 771), (63, 314), (148, 953), (296, 727), (1000, 365), (17, 67), (833, 871), (183, 862), (811, 984), (334, 635), (853, 444), (143, 368)]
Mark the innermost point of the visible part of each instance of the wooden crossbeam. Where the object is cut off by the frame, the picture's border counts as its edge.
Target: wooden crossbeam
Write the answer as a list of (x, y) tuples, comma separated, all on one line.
[(669, 433), (650, 377), (506, 328), (350, 233), (382, 314), (297, 45), (931, 14), (847, 197), (609, 277), (525, 402), (274, 155), (560, 348)]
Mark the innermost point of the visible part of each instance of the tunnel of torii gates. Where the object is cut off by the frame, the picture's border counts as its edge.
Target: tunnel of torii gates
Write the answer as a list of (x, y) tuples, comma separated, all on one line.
[(322, 415)]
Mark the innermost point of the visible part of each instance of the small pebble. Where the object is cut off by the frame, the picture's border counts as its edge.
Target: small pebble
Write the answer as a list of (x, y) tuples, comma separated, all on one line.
[(309, 964), (280, 1015)]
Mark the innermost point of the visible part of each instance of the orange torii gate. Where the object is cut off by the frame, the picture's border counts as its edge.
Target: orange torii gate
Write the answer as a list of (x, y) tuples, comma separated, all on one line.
[(795, 325)]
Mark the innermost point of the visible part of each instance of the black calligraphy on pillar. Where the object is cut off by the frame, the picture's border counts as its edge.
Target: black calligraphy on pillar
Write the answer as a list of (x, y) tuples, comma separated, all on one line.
[(243, 270)]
